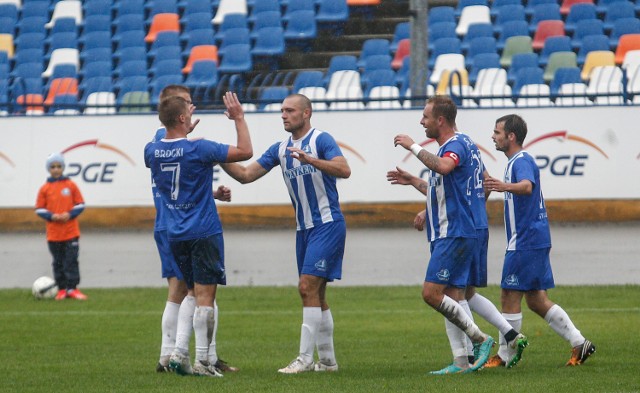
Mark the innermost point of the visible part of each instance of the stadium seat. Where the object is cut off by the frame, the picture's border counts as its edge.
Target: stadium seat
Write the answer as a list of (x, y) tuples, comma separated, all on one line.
[(531, 4), (597, 58), (62, 56), (476, 30), (450, 78), (618, 10), (567, 5), (508, 13), (7, 25), (61, 86), (34, 8), (201, 52), (332, 11), (128, 22), (401, 31), (462, 4), (606, 80), (559, 60), (97, 8), (237, 60), (271, 98), (602, 5), (441, 30), (301, 28), (263, 6), (97, 54), (626, 43), (527, 76), (478, 46), (317, 95), (96, 69), (234, 36), (198, 38), (96, 39), (621, 27), (99, 103), (128, 68), (229, 7), (378, 77), (128, 39), (162, 22), (61, 40), (441, 14), (472, 14), (231, 21), (134, 102), (6, 44), (564, 76), (447, 61), (65, 105), (519, 61), (265, 19), (482, 61), (383, 97), (511, 29), (298, 5), (270, 44), (631, 60), (307, 78), (444, 46), (572, 94), (203, 78), (155, 7), (373, 46), (598, 42), (345, 85), (534, 95), (491, 89), (340, 63), (160, 83), (32, 103), (544, 12), (552, 45), (163, 39), (66, 8), (546, 29), (585, 28), (513, 46), (95, 23), (578, 12)]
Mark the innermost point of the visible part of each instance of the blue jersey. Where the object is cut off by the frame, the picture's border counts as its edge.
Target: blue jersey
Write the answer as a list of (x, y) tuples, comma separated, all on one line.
[(182, 171), (313, 193), (448, 199), (525, 216), (161, 220), (476, 186)]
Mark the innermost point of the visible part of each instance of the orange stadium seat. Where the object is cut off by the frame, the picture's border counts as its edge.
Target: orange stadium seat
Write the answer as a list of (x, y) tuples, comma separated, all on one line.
[(162, 22), (363, 2), (627, 42), (61, 86), (201, 52)]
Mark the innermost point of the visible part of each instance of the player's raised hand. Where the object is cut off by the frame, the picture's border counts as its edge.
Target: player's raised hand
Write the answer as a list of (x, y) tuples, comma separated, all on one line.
[(403, 140), (399, 176), (234, 107)]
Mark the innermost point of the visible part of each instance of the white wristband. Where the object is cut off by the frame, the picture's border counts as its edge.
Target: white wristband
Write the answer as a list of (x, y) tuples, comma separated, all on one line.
[(415, 149)]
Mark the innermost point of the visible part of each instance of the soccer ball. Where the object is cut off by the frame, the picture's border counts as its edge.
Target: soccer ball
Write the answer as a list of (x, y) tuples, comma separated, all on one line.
[(44, 288)]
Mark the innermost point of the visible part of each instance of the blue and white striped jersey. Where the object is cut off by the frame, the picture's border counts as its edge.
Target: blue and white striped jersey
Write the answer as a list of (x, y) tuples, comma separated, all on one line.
[(182, 171), (161, 219), (525, 216), (314, 194), (448, 200), (476, 186)]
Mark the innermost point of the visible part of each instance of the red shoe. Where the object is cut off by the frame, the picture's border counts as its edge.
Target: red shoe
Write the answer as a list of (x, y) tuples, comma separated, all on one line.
[(76, 294), (61, 295)]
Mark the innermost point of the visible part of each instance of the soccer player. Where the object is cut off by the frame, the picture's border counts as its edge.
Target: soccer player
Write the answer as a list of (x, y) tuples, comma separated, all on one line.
[(527, 269), (182, 171), (311, 161), (59, 203), (450, 229), (180, 302)]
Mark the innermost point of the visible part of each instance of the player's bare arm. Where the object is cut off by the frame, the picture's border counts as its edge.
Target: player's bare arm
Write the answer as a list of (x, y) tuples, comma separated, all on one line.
[(243, 149), (337, 166), (400, 176), (441, 165), (244, 174), (523, 187)]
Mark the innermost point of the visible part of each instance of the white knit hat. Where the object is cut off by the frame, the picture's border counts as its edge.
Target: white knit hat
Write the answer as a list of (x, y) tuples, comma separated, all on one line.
[(55, 157)]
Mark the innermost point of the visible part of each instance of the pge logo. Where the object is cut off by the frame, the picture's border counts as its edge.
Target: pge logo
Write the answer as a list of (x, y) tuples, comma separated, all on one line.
[(96, 171), (565, 164)]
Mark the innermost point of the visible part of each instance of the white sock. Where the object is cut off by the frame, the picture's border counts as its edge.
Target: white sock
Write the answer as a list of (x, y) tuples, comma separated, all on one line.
[(458, 343), (169, 329), (185, 324), (467, 309), (324, 342), (489, 312), (456, 314), (560, 322), (202, 322), (515, 321), (213, 353), (311, 319)]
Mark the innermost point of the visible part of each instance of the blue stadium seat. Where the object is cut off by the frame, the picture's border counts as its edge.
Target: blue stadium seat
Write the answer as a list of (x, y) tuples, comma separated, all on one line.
[(578, 12), (9, 10), (591, 43), (128, 7), (562, 76), (531, 4), (64, 25), (584, 28), (507, 13), (28, 70), (154, 7), (443, 46), (520, 61), (95, 84), (301, 28), (128, 68), (32, 24), (265, 19), (128, 22), (237, 60), (239, 35), (128, 39), (164, 38), (165, 67), (527, 76), (401, 31), (270, 44), (298, 5), (95, 39), (441, 14), (7, 25), (193, 7), (496, 4), (307, 79), (160, 83), (203, 78), (196, 21), (373, 46), (476, 30), (441, 30), (602, 5), (34, 55), (198, 37), (618, 10), (482, 61), (96, 54), (33, 8), (94, 23), (379, 77), (548, 11), (63, 71), (332, 11), (621, 27), (30, 41), (340, 63), (551, 45), (231, 21), (95, 69), (264, 6), (272, 95), (477, 46), (512, 29), (97, 7), (61, 40)]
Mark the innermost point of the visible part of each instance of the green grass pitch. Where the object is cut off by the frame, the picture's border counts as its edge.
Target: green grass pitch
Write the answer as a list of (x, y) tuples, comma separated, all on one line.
[(386, 339)]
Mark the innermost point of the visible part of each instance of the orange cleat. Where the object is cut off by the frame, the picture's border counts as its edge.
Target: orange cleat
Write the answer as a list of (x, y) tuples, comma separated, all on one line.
[(61, 295), (494, 361), (76, 294)]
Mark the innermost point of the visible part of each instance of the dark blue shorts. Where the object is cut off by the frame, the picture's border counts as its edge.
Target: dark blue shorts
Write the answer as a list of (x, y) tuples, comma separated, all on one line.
[(450, 261), (169, 266), (527, 270), (478, 270), (319, 250), (201, 260)]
